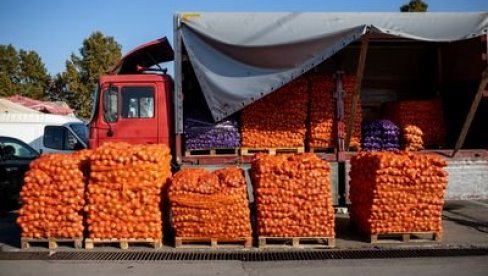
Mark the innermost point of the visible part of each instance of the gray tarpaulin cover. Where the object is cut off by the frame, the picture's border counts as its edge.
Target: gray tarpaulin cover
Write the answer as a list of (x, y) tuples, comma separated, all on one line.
[(240, 57)]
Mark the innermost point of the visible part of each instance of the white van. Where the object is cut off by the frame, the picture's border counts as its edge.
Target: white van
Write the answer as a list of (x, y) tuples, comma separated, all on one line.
[(45, 132)]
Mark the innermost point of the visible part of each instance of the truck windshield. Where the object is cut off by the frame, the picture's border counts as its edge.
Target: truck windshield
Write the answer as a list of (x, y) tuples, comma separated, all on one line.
[(137, 102), (11, 147), (81, 131)]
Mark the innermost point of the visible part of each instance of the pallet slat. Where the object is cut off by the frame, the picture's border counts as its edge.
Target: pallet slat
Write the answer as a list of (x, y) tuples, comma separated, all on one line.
[(202, 242), (52, 243), (272, 151), (323, 150), (398, 237), (123, 243), (353, 149), (405, 237), (296, 242), (212, 152)]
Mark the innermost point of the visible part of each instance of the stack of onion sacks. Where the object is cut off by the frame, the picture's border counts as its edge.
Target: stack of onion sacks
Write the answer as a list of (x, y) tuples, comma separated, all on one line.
[(293, 196), (278, 120), (322, 111), (349, 84), (210, 204), (53, 197), (412, 138), (124, 192), (397, 192), (425, 114), (202, 134)]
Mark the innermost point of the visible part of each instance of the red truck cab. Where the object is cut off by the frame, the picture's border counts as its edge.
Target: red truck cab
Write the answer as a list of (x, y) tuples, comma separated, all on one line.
[(133, 103)]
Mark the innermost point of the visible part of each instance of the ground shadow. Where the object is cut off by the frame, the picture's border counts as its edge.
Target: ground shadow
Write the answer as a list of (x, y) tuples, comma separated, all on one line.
[(345, 230), (168, 231), (449, 206), (9, 230), (465, 220)]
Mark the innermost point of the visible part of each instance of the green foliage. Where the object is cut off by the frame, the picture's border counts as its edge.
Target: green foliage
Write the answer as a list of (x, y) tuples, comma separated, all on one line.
[(22, 72), (77, 83), (414, 6), (33, 74)]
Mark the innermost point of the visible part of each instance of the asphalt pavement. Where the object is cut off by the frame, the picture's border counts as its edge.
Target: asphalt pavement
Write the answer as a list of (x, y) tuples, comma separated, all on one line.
[(465, 224), (457, 266)]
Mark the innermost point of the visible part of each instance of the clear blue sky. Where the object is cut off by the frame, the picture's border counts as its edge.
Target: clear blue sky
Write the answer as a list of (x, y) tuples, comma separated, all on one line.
[(56, 28)]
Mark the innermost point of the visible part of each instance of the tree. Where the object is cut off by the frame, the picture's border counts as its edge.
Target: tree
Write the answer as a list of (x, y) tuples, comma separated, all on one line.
[(77, 83), (414, 6), (22, 72), (33, 75)]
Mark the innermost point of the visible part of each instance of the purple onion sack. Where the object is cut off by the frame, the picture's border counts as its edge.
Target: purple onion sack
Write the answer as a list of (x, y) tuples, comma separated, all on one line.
[(380, 135), (200, 134)]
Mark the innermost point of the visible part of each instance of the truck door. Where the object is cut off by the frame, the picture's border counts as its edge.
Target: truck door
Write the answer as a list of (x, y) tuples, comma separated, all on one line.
[(129, 114)]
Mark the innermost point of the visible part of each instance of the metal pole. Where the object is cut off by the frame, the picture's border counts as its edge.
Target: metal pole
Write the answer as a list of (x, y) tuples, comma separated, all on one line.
[(178, 90), (339, 115)]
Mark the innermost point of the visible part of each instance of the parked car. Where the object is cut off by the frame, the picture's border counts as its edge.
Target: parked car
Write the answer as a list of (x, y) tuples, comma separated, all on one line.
[(15, 157), (45, 132)]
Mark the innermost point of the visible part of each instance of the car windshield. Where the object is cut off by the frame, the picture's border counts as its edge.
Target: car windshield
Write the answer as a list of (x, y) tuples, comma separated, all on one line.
[(81, 131), (10, 147)]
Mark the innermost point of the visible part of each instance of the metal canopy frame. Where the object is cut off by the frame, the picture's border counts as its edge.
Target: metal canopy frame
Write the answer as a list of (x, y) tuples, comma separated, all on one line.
[(472, 112), (357, 88)]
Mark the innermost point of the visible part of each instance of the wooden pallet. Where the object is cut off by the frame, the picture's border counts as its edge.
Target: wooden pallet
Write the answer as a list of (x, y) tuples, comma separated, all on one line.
[(123, 243), (323, 150), (189, 242), (296, 242), (212, 152), (272, 151), (406, 237), (397, 237), (353, 149), (434, 147), (52, 243)]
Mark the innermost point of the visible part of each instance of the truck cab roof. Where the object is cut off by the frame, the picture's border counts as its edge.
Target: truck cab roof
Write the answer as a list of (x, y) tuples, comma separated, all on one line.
[(146, 55), (131, 78)]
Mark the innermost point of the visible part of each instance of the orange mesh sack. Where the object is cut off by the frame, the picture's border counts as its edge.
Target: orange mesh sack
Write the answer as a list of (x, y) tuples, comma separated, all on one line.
[(293, 196), (322, 111), (397, 192), (425, 114), (277, 120), (124, 192), (349, 83), (412, 138), (53, 196), (208, 204)]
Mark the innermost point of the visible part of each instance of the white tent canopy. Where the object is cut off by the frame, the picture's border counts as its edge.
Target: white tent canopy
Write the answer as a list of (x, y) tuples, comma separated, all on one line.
[(7, 106), (239, 58)]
